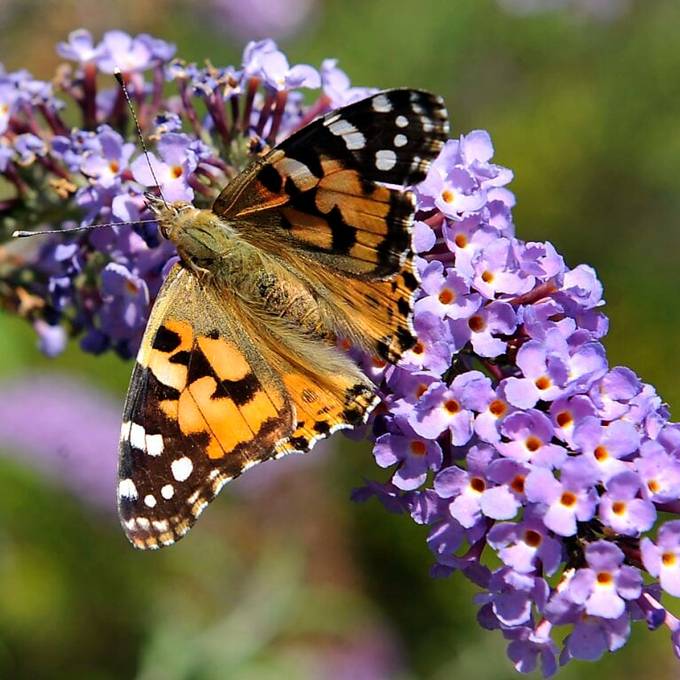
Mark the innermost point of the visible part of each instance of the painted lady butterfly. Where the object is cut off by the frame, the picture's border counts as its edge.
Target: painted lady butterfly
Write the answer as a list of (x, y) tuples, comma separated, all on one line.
[(238, 363)]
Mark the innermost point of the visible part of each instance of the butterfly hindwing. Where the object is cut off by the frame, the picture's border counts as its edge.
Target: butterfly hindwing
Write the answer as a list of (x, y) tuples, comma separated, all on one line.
[(322, 189), (202, 406)]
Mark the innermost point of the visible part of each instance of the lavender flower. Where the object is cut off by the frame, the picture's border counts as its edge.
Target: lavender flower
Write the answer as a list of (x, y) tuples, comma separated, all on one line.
[(503, 430)]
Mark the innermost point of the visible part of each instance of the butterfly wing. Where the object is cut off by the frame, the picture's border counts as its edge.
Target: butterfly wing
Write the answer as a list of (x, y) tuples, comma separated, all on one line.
[(319, 201), (215, 391), (322, 189), (202, 406)]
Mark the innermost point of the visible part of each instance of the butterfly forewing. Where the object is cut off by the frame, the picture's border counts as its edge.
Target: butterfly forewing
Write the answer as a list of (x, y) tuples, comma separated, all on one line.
[(202, 406), (321, 190)]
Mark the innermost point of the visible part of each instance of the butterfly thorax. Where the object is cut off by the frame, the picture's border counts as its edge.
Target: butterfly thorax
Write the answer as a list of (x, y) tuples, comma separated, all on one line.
[(200, 236)]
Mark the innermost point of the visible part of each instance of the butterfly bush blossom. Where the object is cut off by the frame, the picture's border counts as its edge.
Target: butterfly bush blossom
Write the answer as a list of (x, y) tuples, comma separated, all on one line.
[(544, 475)]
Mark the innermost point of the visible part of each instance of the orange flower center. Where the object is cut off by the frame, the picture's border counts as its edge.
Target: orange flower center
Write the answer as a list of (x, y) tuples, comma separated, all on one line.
[(418, 448), (604, 578), (477, 484), (618, 507), (532, 538), (498, 407), (517, 484), (422, 388), (452, 406), (476, 323), (448, 196), (447, 296), (176, 171), (568, 499), (487, 277), (114, 166), (601, 453), (543, 383), (418, 348), (563, 419), (669, 559), (460, 240), (653, 485), (533, 443)]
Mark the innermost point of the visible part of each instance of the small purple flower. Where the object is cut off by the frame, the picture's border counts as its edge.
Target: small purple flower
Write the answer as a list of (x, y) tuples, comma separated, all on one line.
[(442, 408), (662, 559), (126, 302), (483, 327), (622, 510), (570, 499), (173, 171), (122, 51), (605, 446), (525, 545), (80, 47), (415, 456), (605, 586), (530, 435), (446, 294)]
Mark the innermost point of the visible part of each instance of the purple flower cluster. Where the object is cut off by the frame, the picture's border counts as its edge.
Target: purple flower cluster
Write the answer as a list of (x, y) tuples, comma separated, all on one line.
[(507, 433), (99, 285), (540, 471)]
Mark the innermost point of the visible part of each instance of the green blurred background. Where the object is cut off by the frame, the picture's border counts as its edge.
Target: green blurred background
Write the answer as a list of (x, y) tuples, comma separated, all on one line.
[(284, 577)]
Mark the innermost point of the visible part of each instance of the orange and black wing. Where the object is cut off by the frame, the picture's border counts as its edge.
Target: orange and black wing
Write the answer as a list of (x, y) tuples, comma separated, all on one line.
[(323, 190), (202, 407)]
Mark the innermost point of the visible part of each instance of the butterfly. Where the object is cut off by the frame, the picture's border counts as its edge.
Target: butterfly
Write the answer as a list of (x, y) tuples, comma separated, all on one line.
[(239, 361)]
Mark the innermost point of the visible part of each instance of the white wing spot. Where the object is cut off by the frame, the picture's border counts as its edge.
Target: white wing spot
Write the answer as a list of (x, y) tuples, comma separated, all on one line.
[(181, 468), (127, 489), (137, 437), (382, 104), (154, 444), (125, 431), (341, 127), (385, 159), (400, 140), (149, 501), (355, 141), (167, 491), (428, 125), (401, 121)]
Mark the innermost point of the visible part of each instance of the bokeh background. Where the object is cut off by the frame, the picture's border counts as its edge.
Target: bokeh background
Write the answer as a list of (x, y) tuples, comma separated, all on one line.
[(284, 577)]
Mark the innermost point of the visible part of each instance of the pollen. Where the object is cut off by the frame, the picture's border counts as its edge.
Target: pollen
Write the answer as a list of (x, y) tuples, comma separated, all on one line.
[(487, 277), (604, 578), (477, 484), (517, 484), (601, 453), (176, 171), (476, 323), (447, 296), (543, 383), (618, 507), (418, 448), (498, 407), (448, 196), (460, 240), (533, 443), (564, 419), (452, 406), (669, 559), (568, 499), (532, 538)]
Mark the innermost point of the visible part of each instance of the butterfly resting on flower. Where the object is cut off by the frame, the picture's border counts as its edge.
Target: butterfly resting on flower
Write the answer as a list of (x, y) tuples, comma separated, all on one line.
[(239, 361)]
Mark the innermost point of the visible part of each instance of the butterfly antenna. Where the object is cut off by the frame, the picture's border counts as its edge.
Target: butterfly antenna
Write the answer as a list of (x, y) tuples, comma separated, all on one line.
[(22, 234), (119, 77)]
